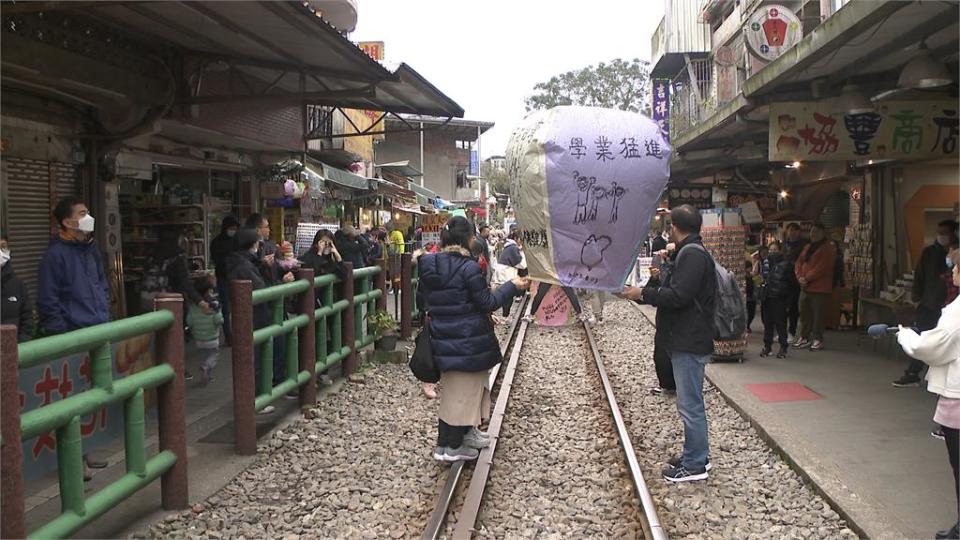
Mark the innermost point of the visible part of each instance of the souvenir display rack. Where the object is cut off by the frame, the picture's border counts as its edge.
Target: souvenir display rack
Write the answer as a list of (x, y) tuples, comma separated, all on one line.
[(859, 256), (725, 238)]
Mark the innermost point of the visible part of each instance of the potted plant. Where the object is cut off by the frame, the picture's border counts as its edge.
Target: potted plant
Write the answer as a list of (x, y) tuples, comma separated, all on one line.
[(384, 328)]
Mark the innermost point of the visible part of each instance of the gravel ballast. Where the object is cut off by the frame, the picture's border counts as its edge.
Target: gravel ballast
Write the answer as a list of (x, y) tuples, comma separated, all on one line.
[(558, 471), (359, 464), (751, 492)]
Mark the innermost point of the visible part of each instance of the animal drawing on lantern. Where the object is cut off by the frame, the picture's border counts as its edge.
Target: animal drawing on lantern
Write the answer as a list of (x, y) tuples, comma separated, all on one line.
[(591, 254), (616, 193), (599, 193), (584, 187)]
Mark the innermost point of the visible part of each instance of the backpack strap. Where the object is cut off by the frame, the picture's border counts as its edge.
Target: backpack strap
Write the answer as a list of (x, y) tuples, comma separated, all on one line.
[(705, 252)]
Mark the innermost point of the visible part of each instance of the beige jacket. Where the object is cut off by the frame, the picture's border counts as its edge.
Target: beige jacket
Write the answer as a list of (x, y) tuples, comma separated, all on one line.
[(940, 349)]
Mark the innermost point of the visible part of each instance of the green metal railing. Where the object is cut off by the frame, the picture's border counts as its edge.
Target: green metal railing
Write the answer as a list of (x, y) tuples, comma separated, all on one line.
[(315, 338), (409, 283), (63, 417)]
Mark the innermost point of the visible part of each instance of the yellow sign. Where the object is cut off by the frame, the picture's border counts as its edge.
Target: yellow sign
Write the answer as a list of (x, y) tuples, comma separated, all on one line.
[(813, 131)]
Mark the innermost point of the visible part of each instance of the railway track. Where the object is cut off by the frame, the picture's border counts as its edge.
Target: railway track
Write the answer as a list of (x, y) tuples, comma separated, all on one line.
[(473, 497)]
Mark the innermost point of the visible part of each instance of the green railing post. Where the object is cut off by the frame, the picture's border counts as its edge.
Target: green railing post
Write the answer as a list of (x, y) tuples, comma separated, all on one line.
[(134, 434), (406, 296), (381, 284), (12, 507), (70, 467), (347, 321), (307, 339), (171, 397), (244, 392), (326, 300), (358, 317)]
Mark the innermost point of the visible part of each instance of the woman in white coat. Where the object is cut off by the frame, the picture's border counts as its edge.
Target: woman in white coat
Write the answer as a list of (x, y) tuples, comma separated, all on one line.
[(940, 349)]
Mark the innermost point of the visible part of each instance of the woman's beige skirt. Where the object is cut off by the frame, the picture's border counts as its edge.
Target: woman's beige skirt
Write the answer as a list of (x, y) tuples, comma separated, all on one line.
[(464, 398)]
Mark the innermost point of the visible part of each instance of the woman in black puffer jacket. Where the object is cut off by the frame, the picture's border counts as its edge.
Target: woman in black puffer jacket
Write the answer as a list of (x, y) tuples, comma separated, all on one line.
[(776, 281), (461, 335)]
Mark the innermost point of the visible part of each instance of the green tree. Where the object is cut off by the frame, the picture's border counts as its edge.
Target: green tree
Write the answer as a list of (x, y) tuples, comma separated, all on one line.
[(496, 177), (619, 84)]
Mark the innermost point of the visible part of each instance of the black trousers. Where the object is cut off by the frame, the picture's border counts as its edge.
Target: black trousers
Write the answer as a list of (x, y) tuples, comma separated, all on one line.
[(774, 314), (662, 362), (952, 437), (793, 311), (544, 288), (450, 436), (926, 319), (751, 313)]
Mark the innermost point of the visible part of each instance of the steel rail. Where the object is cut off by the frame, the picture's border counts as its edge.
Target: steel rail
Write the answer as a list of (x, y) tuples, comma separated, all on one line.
[(455, 472), (652, 528), (478, 482)]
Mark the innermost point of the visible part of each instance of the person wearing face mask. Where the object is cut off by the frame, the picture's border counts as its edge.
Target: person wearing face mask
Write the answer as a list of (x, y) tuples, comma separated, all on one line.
[(73, 291), (776, 282), (814, 270), (223, 245), (15, 302), (929, 292), (244, 265), (939, 347)]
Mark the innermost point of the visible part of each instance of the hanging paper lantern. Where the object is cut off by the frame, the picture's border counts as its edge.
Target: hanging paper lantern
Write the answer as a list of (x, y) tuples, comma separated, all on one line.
[(585, 183)]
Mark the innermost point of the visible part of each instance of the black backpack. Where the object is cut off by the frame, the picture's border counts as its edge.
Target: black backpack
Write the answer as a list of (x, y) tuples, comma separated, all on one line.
[(730, 316)]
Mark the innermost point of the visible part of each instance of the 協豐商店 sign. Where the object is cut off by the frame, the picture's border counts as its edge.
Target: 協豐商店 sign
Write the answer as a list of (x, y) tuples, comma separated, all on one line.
[(813, 131)]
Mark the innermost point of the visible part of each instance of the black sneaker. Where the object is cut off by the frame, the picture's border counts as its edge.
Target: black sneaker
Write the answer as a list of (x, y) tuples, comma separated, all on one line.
[(187, 376), (907, 380), (782, 353), (952, 532), (765, 352), (679, 474), (675, 462), (657, 391), (938, 433)]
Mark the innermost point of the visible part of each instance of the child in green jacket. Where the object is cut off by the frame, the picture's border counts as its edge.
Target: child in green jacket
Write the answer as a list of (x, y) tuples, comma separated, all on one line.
[(205, 327)]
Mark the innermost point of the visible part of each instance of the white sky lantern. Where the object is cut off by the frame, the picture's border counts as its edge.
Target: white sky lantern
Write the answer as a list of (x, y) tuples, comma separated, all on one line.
[(585, 182)]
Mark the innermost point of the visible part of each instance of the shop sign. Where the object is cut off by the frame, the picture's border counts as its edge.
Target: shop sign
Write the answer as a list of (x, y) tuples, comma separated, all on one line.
[(59, 379), (698, 197), (772, 30), (812, 131), (766, 202), (661, 106), (474, 163), (375, 50)]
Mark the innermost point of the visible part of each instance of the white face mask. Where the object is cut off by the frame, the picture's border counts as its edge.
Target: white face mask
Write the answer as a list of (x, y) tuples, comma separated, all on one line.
[(231, 233), (4, 257), (85, 224), (943, 240), (949, 260)]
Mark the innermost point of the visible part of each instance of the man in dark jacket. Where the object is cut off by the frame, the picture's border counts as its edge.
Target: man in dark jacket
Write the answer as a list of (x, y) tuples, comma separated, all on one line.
[(223, 245), (688, 301), (348, 246), (929, 292), (482, 236), (73, 291), (14, 301)]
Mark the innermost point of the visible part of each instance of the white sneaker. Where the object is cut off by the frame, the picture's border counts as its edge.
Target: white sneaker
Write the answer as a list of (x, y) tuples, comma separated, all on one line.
[(267, 410)]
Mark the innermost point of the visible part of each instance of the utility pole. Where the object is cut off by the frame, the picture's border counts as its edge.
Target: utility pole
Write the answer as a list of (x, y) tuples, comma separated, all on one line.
[(423, 172)]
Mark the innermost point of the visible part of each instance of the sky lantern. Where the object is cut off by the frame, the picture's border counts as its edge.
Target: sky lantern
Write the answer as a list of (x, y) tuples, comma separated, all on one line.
[(585, 182)]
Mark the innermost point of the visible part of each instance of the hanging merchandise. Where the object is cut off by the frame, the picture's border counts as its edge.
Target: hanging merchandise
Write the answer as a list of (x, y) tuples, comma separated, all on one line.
[(725, 238), (585, 183)]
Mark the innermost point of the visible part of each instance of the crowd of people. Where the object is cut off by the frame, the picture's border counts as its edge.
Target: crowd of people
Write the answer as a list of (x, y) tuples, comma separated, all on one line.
[(478, 271)]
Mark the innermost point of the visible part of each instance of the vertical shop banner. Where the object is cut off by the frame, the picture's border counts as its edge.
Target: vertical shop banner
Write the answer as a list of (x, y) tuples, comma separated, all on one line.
[(474, 163), (585, 183), (661, 106), (812, 131), (375, 50)]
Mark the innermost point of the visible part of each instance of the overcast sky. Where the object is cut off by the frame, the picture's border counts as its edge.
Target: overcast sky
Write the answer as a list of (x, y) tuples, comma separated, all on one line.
[(488, 54)]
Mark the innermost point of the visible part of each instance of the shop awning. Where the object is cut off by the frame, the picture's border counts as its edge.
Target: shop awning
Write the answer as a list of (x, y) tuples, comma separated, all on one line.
[(400, 168), (410, 209), (424, 195), (393, 191), (345, 178), (281, 44)]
